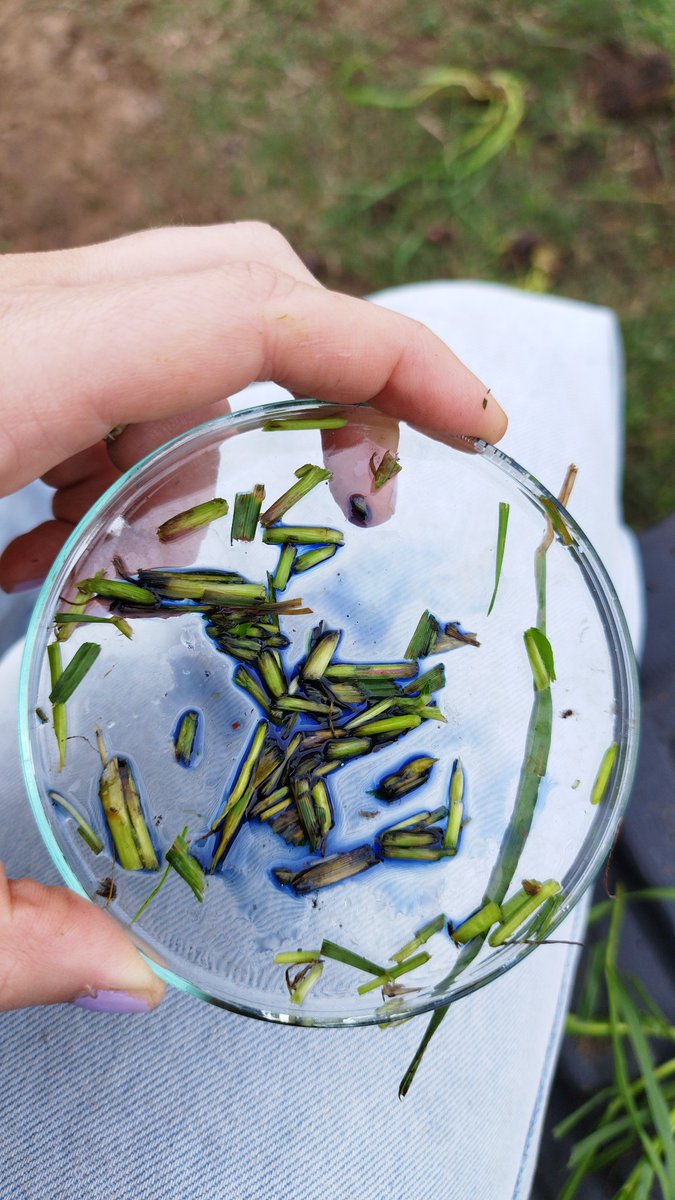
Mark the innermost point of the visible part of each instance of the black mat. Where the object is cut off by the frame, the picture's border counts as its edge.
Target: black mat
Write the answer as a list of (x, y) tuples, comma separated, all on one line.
[(644, 857)]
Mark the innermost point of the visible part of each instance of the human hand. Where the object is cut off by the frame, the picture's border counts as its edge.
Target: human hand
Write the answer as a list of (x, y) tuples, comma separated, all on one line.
[(154, 330), (151, 332)]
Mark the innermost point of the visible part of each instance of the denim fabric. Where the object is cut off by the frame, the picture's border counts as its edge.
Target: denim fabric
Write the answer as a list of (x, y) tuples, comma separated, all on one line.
[(195, 1102)]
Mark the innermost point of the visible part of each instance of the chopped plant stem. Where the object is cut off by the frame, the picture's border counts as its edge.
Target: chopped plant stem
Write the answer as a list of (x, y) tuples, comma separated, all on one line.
[(184, 864), (114, 804), (421, 936), (300, 423), (302, 987), (308, 478), (540, 655), (74, 618), (391, 725), (302, 535), (306, 811), (480, 922), (414, 853), (235, 594), (604, 773), (229, 827), (359, 671), (319, 657), (424, 636), (419, 820), (84, 829), (563, 499), (375, 710), (312, 558), (246, 769), (247, 507), (411, 964), (293, 957), (272, 674), (59, 717), (348, 748), (272, 810), (74, 673), (385, 470), (511, 906), (341, 954), (410, 776), (192, 518), (432, 638), (456, 809), (284, 567), (504, 510), (117, 589), (296, 704), (430, 681), (146, 850), (557, 521), (410, 837), (184, 740), (525, 910), (328, 871), (244, 679), (322, 807)]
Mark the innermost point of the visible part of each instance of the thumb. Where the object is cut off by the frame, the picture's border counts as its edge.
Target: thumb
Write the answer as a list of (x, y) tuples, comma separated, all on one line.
[(56, 946)]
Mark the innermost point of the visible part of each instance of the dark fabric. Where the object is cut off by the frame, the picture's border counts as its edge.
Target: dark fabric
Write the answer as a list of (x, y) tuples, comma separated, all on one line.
[(644, 857)]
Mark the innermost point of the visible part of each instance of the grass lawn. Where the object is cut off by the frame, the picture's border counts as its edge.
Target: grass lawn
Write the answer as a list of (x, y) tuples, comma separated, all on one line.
[(542, 156)]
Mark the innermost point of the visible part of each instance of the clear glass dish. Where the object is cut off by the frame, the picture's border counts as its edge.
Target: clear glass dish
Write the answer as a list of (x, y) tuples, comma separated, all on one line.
[(436, 550)]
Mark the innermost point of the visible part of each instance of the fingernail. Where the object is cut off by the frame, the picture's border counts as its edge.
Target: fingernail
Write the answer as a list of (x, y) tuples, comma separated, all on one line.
[(110, 1001), (496, 414)]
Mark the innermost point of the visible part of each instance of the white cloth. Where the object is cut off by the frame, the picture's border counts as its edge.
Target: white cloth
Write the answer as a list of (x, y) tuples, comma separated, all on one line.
[(195, 1101)]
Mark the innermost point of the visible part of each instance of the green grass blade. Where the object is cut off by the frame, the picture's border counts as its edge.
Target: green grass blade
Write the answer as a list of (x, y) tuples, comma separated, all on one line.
[(341, 954), (81, 662), (620, 1062), (437, 1017), (656, 1099), (504, 510)]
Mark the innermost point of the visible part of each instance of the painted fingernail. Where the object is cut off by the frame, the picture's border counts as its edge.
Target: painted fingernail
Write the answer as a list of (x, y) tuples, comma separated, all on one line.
[(110, 1001)]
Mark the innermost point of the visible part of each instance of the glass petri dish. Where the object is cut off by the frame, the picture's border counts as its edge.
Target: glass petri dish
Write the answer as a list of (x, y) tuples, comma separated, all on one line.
[(426, 542)]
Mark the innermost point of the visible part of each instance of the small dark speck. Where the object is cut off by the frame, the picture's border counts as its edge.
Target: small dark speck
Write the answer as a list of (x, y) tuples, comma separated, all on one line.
[(158, 821), (367, 813), (207, 674), (315, 901), (568, 712)]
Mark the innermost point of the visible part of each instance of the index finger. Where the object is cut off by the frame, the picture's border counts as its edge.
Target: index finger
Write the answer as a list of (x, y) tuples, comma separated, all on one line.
[(145, 350)]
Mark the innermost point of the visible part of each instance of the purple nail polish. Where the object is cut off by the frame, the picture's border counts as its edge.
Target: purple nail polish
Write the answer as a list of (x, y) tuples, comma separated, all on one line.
[(110, 1001)]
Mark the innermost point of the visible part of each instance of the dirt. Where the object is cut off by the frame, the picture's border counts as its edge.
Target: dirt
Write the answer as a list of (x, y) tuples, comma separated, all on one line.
[(71, 104)]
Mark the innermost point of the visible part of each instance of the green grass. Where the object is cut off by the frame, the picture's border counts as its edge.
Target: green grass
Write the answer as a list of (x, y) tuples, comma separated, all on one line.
[(261, 115)]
